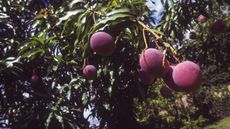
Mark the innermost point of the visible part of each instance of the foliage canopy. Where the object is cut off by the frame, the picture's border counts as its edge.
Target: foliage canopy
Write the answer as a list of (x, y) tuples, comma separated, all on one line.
[(51, 40)]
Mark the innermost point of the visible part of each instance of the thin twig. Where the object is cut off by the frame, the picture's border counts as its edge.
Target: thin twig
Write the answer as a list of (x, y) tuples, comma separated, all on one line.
[(166, 45), (144, 37), (84, 63), (164, 53), (94, 19), (148, 29)]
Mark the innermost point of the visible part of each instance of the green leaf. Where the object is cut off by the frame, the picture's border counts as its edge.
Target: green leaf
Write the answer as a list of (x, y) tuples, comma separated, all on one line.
[(84, 98), (114, 18), (58, 58), (42, 38), (69, 15), (119, 11), (86, 49), (75, 2), (48, 120), (69, 92), (81, 26), (27, 46), (33, 53), (73, 80), (60, 119), (55, 67)]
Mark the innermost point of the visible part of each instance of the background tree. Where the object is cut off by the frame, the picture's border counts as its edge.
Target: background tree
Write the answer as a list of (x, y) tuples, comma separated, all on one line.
[(44, 46)]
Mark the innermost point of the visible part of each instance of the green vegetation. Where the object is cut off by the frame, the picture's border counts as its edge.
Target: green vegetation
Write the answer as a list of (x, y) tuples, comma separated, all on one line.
[(222, 124), (59, 58)]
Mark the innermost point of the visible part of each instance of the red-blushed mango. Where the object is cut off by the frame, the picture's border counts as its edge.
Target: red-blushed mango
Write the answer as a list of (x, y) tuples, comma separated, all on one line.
[(102, 43), (34, 78), (202, 18), (146, 78), (166, 92), (217, 27), (151, 61), (187, 76), (168, 79), (90, 72)]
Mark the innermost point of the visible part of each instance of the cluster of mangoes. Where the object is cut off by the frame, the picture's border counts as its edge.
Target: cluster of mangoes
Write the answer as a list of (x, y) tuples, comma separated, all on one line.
[(184, 76)]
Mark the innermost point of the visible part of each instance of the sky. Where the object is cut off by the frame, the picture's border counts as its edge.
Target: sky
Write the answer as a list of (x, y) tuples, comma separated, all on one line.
[(158, 7)]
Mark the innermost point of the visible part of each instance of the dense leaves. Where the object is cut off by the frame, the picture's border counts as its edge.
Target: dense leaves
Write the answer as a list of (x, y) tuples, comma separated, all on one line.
[(44, 46)]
